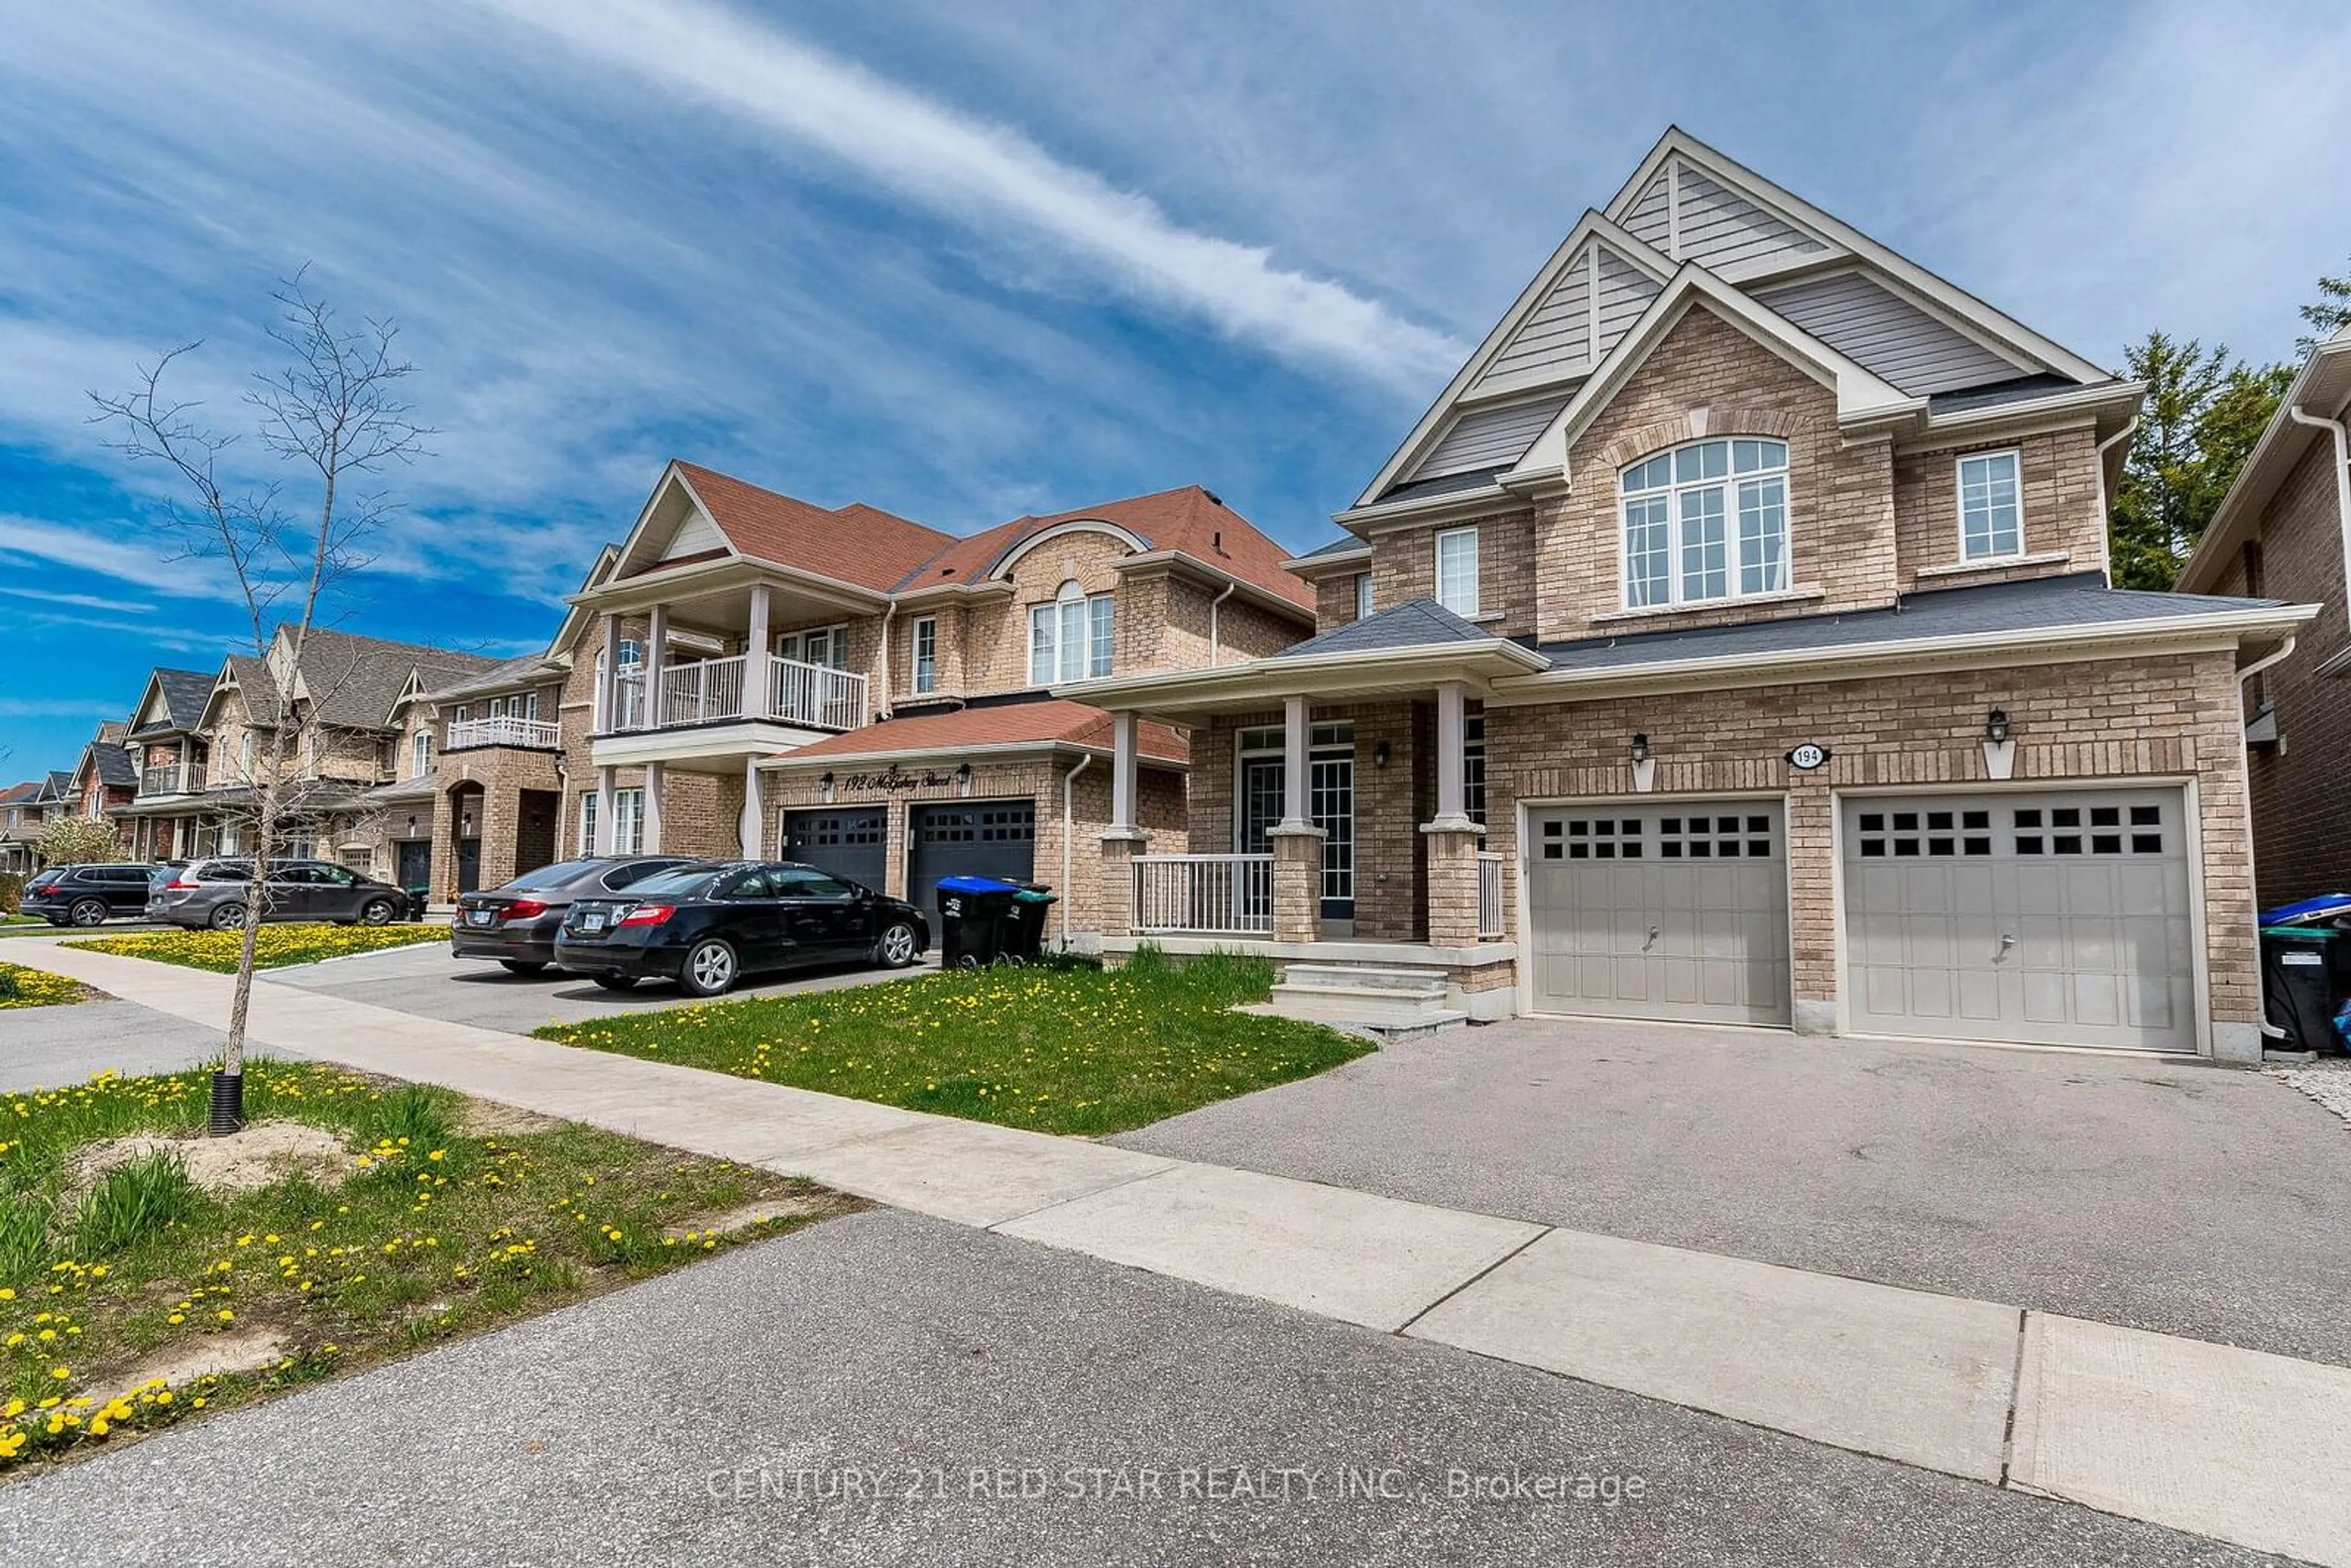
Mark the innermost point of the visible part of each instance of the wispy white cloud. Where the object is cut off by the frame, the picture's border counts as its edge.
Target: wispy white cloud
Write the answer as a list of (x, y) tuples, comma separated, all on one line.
[(140, 559), (987, 173), (59, 708), (76, 601)]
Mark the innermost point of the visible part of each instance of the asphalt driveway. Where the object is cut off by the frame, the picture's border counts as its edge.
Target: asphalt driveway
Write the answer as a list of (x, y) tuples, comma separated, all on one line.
[(889, 1389), (2186, 1199), (426, 981), (46, 1048)]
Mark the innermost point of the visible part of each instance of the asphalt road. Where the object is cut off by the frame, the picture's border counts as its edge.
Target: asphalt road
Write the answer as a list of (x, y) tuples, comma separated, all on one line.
[(46, 1048), (717, 1415), (2188, 1199), (425, 980)]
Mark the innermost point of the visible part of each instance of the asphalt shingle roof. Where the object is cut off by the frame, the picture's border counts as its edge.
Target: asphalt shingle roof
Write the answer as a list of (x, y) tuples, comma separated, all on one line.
[(185, 692), (1415, 624), (1443, 485), (352, 681), (1041, 721), (113, 763), (856, 543), (2048, 603)]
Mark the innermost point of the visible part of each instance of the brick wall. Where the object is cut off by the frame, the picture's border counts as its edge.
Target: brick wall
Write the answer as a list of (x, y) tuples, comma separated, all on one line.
[(2058, 476), (2174, 715), (1335, 599)]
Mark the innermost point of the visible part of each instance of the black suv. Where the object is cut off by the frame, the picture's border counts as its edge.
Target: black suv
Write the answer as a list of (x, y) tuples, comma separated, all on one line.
[(89, 894)]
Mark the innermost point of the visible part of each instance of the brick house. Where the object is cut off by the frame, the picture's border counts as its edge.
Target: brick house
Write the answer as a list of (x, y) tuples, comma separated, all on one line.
[(1732, 640), (20, 825), (168, 756), (749, 674), (2284, 530), (104, 780)]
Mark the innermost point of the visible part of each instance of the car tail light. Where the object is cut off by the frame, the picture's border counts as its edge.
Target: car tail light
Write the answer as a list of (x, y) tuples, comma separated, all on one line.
[(185, 880), (647, 914), (525, 909)]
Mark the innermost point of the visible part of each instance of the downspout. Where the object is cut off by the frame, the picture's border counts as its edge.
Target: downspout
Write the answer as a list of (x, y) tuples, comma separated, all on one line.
[(2334, 428), (2105, 518), (2261, 985), (1069, 831), (889, 613), (1213, 640)]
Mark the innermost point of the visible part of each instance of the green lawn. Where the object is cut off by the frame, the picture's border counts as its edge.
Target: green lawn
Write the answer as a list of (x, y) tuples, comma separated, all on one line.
[(413, 1216), (274, 947), (1056, 1050), (23, 988)]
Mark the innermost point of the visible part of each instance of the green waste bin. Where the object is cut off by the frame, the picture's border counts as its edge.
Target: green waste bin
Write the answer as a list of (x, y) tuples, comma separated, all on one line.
[(1024, 934)]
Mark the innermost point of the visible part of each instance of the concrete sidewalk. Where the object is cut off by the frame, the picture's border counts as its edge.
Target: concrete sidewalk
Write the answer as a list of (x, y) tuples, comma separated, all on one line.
[(2173, 1431)]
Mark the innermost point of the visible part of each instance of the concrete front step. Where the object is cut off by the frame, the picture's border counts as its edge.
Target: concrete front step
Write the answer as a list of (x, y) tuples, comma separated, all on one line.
[(1371, 1005), (1395, 1025), (1421, 982)]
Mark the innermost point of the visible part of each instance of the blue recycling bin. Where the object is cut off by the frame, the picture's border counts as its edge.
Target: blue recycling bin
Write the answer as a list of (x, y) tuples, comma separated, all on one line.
[(974, 912)]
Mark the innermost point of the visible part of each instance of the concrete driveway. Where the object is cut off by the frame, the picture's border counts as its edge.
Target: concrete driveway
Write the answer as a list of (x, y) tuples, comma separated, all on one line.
[(891, 1390), (2201, 1201), (46, 1048), (426, 981)]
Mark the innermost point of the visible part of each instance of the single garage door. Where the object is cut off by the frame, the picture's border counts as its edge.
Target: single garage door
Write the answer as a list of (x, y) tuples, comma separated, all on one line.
[(1674, 911), (849, 845), (2049, 918), (970, 838)]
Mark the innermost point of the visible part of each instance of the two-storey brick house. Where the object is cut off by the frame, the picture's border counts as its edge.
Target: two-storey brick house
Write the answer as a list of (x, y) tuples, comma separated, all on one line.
[(750, 673), (170, 757), (104, 782), (2284, 529), (20, 825), (1732, 640)]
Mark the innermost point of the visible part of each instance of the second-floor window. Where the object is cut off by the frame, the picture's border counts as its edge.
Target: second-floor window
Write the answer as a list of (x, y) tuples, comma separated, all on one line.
[(1071, 639), (420, 755), (826, 645), (1991, 522), (1363, 595), (1457, 570), (1706, 521), (927, 655)]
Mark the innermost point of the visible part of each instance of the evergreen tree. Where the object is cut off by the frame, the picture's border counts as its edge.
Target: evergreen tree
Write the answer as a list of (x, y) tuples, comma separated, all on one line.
[(2200, 419), (2328, 313)]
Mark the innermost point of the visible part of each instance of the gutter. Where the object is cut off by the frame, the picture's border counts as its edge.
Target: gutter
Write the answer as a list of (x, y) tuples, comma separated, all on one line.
[(2261, 985), (2334, 427), (1214, 642)]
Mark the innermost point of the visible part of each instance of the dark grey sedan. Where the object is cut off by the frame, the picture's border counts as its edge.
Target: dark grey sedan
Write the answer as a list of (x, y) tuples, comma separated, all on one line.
[(215, 892), (516, 924)]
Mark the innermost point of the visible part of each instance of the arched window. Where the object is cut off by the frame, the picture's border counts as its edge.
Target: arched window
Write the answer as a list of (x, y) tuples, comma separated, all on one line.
[(1072, 638), (1706, 521)]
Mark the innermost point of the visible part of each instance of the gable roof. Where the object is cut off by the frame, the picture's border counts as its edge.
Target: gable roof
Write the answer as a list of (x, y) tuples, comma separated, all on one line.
[(181, 695), (856, 544), (1042, 721), (106, 754), (18, 794), (2323, 388), (1188, 521), (254, 682), (1415, 624), (354, 682)]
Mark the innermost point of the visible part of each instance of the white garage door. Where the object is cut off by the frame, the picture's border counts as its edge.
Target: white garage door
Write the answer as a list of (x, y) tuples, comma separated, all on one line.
[(1673, 911), (2050, 918)]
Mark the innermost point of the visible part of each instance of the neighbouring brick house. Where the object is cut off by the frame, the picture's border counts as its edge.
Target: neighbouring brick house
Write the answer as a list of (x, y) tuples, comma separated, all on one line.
[(2284, 530), (749, 674), (105, 780), (20, 825), (168, 756), (1732, 640)]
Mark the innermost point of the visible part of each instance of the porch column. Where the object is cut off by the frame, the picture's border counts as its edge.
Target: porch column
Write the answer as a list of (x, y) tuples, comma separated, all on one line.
[(654, 777), (1452, 838), (1295, 812), (756, 670), (608, 686), (1119, 848), (1452, 754), (1122, 727), (604, 807), (656, 702), (752, 829)]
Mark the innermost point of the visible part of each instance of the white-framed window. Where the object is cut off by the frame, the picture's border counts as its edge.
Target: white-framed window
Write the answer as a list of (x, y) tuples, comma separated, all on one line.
[(627, 821), (420, 759), (825, 645), (588, 823), (530, 705), (1992, 517), (927, 654), (1071, 639), (1363, 595), (1706, 521), (1457, 570), (247, 750)]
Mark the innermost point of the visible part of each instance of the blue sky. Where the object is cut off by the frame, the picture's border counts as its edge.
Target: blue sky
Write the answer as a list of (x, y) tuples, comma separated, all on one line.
[(966, 261)]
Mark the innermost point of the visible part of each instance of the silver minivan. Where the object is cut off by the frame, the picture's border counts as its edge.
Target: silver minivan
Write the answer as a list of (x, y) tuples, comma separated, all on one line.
[(213, 891)]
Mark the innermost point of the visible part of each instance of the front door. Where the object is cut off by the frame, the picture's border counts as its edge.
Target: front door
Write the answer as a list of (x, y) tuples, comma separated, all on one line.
[(1331, 806), (469, 865), (415, 865)]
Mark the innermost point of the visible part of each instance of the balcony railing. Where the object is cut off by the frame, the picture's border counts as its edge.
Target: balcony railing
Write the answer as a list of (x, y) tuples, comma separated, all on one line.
[(702, 690), (1493, 917), (504, 729), (1214, 895), (710, 691), (815, 694), (170, 779)]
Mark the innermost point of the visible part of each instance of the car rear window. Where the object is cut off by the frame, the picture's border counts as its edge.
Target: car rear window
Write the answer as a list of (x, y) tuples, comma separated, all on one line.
[(680, 882), (226, 871), (548, 876), (638, 872)]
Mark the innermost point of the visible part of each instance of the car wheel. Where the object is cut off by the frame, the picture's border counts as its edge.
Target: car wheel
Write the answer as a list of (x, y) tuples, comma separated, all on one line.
[(228, 918), (377, 912), (897, 948), (616, 982), (708, 970), (521, 965), (87, 911)]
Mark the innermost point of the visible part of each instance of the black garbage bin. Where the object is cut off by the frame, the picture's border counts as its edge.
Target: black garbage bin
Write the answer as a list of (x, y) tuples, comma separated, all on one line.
[(2304, 969), (1024, 932), (974, 912)]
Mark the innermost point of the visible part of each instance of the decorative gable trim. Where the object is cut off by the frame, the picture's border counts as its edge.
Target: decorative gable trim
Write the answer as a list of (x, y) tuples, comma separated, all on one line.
[(646, 546), (1004, 563)]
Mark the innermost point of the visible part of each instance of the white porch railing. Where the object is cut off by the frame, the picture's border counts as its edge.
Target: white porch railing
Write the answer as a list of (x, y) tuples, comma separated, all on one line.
[(629, 709), (504, 729), (1493, 917), (701, 690), (1214, 895), (815, 694)]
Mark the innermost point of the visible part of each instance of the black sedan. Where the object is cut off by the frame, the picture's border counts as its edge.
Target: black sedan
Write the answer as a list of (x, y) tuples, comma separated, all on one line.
[(708, 925), (516, 924)]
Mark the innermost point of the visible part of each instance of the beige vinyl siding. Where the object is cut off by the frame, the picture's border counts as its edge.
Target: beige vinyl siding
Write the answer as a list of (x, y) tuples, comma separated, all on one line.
[(1880, 330)]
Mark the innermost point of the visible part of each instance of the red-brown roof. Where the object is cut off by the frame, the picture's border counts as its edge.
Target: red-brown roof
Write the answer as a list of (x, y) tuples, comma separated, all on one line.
[(1188, 519), (17, 792), (856, 544), (998, 724)]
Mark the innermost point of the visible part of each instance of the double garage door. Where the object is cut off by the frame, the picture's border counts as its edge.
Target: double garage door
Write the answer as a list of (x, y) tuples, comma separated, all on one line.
[(967, 837), (2046, 917)]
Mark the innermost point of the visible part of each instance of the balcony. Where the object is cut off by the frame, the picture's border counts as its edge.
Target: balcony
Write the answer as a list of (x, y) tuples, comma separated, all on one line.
[(711, 691), (170, 779), (503, 729)]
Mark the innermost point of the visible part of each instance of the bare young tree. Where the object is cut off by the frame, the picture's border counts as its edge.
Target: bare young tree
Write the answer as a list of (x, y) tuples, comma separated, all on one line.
[(334, 415)]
